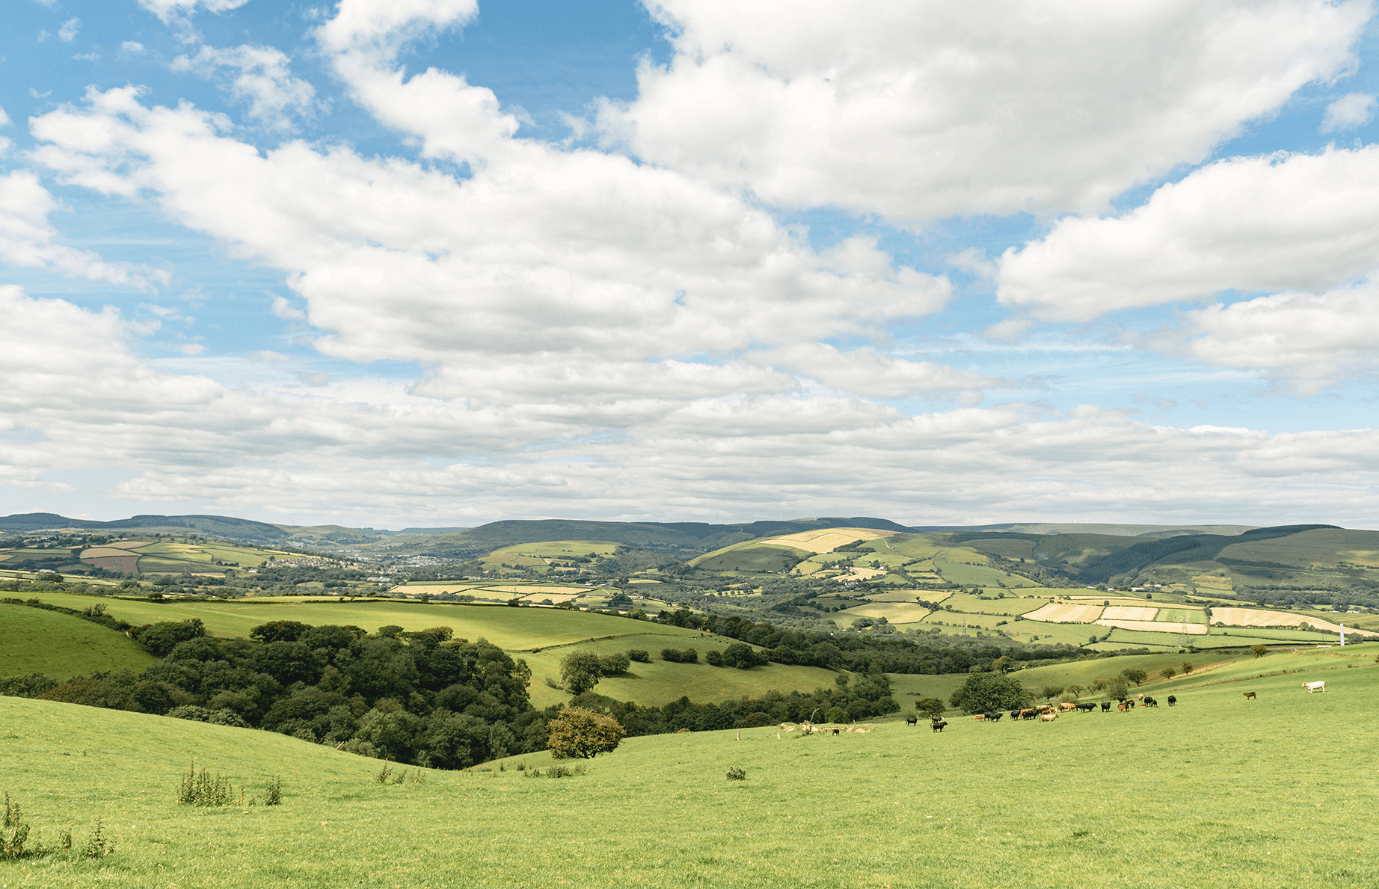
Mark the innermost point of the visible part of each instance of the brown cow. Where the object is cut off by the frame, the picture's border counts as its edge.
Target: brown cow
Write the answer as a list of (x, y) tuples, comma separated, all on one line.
[(1249, 696), (1049, 716), (1028, 713)]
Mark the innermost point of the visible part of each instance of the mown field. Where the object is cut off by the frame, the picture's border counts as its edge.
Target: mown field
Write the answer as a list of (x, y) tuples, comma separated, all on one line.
[(1275, 792), (36, 641)]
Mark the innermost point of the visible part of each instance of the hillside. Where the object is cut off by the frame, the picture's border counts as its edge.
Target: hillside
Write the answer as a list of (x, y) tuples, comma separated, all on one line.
[(1201, 785), (33, 640)]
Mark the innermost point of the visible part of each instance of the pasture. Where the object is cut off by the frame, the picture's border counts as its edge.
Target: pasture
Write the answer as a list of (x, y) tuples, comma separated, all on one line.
[(36, 641), (514, 629), (1273, 792)]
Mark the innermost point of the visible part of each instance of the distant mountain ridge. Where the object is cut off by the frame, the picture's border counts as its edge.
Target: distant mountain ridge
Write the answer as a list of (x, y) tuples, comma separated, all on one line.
[(682, 539)]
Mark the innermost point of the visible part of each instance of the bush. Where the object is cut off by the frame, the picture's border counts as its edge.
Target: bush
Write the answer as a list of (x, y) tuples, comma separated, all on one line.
[(638, 655), (613, 664), (576, 733), (930, 707), (737, 774), (200, 789), (581, 671), (714, 658), (676, 656)]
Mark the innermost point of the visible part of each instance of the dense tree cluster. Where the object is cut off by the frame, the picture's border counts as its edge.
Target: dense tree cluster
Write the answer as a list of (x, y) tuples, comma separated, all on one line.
[(419, 697)]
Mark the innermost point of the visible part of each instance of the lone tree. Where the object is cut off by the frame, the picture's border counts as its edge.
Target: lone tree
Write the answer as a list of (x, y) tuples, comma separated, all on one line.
[(577, 733), (930, 707), (990, 691), (1259, 650), (581, 671)]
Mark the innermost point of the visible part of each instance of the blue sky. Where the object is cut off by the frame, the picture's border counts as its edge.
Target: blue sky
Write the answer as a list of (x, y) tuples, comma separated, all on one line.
[(427, 262)]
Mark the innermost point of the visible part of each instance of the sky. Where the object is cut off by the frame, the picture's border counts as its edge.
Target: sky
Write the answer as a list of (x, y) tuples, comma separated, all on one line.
[(395, 263)]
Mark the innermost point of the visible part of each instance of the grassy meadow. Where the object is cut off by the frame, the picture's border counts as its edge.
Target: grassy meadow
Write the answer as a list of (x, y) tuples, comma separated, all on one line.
[(1274, 792), (36, 641)]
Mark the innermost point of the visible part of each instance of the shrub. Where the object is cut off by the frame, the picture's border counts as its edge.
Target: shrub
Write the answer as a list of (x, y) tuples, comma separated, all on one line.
[(613, 664), (200, 789), (714, 658), (737, 774), (638, 655), (576, 733), (676, 656)]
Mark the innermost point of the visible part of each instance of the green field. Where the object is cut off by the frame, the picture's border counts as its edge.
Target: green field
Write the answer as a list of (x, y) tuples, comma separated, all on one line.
[(514, 629), (33, 640), (659, 682), (1217, 791)]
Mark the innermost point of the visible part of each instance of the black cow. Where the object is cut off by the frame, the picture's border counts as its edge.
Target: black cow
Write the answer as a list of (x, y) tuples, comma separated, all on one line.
[(1086, 708), (1150, 702), (1105, 706), (912, 720), (1014, 715), (992, 716), (938, 723), (1172, 700)]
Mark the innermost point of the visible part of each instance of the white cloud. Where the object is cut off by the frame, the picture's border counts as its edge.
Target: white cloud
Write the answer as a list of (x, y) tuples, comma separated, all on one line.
[(268, 356), (260, 76), (1259, 224), (68, 32), (285, 310), (27, 238), (1311, 341), (1348, 112), (866, 372), (539, 253), (132, 47), (176, 10), (922, 110)]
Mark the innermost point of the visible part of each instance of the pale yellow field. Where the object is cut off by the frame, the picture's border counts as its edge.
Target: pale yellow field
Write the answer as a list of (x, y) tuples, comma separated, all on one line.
[(1114, 600), (1248, 617), (1065, 613), (1120, 612), (129, 544), (909, 595), (1157, 626), (825, 540), (105, 552), (862, 574), (895, 612)]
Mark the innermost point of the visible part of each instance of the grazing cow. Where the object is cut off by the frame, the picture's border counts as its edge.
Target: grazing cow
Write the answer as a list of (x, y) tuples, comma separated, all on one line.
[(1067, 706), (978, 717), (835, 731), (993, 717), (1014, 715), (1049, 716), (1315, 686), (1105, 706), (1087, 708), (1150, 702), (1172, 700), (1249, 696), (1028, 713), (938, 723), (912, 720), (1123, 707)]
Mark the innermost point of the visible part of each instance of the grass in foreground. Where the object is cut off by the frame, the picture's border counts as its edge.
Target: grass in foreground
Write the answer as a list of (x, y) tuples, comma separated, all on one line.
[(1275, 792)]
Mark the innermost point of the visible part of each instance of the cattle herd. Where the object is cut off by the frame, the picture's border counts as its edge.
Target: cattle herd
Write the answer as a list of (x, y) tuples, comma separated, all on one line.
[(1050, 712)]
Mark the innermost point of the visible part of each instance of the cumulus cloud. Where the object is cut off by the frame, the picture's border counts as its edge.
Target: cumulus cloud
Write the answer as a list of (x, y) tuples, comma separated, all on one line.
[(1254, 224), (1348, 112), (132, 47), (539, 253), (258, 75), (176, 10), (68, 32), (28, 239), (922, 110), (1311, 341)]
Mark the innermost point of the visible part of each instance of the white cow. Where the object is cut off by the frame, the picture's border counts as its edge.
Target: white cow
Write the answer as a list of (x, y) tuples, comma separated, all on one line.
[(1315, 686)]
